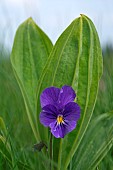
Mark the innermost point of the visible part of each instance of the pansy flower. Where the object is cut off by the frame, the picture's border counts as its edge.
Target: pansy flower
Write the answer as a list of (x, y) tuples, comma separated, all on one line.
[(59, 111)]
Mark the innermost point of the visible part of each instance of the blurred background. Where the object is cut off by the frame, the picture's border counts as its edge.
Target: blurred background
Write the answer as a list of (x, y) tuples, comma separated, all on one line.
[(53, 16)]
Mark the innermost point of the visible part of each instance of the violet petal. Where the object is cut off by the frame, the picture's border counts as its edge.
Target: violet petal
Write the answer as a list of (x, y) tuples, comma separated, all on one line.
[(49, 96), (69, 126), (71, 112), (59, 131), (48, 115), (66, 95), (56, 130)]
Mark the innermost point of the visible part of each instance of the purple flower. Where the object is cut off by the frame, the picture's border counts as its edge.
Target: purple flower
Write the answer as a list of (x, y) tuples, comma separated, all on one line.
[(59, 111)]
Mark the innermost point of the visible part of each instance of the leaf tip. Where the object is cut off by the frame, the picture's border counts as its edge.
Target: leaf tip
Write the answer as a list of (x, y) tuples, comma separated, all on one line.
[(84, 16), (29, 20)]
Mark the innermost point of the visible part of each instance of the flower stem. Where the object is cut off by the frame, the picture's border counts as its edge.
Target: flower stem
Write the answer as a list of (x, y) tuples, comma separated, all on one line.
[(51, 151), (60, 154)]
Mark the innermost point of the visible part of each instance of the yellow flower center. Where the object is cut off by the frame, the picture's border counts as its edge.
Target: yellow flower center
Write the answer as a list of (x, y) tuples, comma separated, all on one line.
[(60, 119)]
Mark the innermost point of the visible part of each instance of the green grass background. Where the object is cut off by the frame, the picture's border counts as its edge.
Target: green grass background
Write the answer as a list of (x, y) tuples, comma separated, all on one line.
[(13, 112)]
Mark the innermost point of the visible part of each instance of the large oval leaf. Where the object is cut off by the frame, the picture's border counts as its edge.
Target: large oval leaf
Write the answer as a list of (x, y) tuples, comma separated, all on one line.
[(90, 71), (75, 60), (95, 144), (29, 54)]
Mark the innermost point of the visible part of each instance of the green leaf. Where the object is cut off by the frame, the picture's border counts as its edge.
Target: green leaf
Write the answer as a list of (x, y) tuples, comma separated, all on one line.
[(5, 149), (75, 60), (3, 127), (95, 144), (30, 52), (107, 162), (90, 71), (23, 166)]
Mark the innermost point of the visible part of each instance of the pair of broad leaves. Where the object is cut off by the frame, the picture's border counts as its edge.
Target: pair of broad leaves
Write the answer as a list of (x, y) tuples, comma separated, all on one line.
[(75, 60)]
